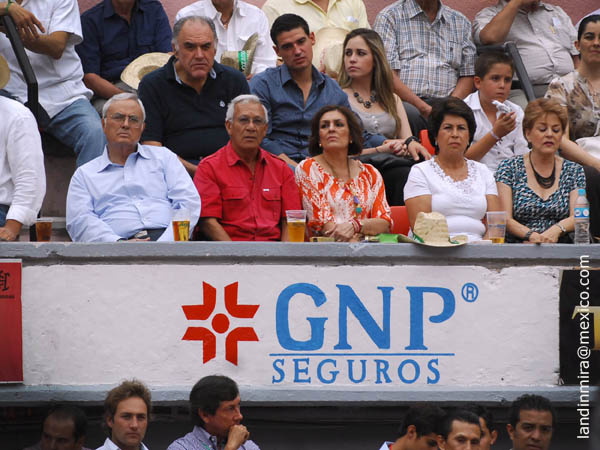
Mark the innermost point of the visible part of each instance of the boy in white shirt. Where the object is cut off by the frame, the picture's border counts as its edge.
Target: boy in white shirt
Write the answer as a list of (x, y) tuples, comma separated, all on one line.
[(498, 135)]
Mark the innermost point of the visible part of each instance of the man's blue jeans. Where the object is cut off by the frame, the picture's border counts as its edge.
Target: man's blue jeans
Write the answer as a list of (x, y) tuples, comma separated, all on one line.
[(79, 127), (3, 213)]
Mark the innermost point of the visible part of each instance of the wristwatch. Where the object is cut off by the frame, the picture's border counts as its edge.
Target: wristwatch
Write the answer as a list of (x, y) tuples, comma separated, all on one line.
[(410, 139), (527, 235)]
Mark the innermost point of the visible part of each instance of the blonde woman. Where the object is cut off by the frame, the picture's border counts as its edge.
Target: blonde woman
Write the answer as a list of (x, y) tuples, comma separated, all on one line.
[(366, 78)]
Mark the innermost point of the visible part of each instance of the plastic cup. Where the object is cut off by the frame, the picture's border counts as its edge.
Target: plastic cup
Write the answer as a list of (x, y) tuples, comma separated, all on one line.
[(296, 224), (43, 229), (496, 223), (181, 225)]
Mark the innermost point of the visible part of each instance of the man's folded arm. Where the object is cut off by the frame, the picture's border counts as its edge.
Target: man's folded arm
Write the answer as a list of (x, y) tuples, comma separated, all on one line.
[(83, 224)]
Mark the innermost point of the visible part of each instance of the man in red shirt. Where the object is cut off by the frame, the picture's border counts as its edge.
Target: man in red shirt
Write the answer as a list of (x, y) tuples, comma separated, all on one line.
[(245, 190)]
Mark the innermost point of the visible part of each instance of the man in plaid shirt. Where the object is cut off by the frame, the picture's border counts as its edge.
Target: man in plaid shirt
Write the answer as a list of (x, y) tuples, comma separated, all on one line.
[(429, 46)]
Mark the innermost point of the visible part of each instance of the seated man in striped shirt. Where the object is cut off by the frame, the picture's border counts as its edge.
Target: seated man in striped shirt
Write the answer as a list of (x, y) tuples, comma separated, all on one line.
[(215, 406), (430, 48)]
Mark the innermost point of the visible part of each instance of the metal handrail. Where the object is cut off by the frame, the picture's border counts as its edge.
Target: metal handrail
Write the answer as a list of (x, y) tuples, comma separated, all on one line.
[(23, 60), (511, 49)]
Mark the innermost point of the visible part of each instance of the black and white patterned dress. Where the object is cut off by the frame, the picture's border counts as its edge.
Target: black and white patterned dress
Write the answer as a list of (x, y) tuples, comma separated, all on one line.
[(528, 208)]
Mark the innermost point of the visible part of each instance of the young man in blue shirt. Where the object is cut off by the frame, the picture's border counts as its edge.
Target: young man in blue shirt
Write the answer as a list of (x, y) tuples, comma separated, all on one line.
[(295, 91)]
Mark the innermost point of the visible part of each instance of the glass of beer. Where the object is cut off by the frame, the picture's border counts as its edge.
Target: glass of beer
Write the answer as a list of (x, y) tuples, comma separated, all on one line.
[(496, 223), (296, 224), (181, 225), (43, 229)]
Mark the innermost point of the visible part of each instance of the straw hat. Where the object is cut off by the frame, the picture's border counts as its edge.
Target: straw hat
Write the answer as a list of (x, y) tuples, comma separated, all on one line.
[(328, 50), (141, 66), (4, 72), (432, 229), (243, 59)]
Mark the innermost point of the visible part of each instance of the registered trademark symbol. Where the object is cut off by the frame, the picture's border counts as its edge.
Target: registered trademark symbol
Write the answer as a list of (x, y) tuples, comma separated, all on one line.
[(470, 292)]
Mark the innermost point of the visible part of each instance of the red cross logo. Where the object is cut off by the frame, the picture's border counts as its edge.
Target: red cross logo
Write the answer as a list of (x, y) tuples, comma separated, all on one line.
[(220, 322)]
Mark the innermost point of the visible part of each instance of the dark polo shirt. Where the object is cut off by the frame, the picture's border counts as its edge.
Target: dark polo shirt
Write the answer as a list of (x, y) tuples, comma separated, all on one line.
[(190, 124)]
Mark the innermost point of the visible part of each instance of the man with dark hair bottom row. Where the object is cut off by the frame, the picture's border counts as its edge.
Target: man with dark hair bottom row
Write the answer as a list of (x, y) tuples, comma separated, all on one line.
[(418, 430), (64, 428), (126, 412), (460, 430), (489, 434), (531, 422), (215, 411)]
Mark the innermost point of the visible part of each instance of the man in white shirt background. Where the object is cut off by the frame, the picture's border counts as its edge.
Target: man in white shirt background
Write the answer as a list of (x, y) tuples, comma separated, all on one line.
[(345, 14), (235, 22), (543, 34), (22, 175), (65, 112)]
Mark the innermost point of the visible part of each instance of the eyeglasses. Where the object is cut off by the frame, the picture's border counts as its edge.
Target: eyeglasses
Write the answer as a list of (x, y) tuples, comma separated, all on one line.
[(245, 121), (134, 121)]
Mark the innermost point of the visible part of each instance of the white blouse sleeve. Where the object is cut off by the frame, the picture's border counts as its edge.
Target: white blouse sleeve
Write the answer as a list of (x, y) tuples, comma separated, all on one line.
[(488, 178), (417, 183)]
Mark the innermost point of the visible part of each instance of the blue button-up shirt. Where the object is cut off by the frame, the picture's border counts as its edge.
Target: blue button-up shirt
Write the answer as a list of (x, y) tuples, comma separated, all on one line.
[(110, 43), (200, 439), (107, 201), (289, 116)]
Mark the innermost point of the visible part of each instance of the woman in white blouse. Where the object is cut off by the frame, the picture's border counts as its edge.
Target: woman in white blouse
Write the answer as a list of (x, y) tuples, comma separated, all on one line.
[(463, 190)]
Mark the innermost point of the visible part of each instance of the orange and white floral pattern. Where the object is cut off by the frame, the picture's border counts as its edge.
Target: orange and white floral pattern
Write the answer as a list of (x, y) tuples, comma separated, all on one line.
[(327, 199)]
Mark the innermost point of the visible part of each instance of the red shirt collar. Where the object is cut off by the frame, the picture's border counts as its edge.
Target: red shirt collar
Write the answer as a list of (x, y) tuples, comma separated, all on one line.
[(232, 157)]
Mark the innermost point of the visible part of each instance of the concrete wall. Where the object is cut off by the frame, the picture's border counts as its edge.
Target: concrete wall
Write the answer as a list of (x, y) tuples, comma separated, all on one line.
[(94, 314), (576, 9), (311, 309)]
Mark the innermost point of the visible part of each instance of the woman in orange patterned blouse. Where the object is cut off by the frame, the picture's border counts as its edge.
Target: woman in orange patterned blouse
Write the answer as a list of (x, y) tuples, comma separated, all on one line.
[(343, 198)]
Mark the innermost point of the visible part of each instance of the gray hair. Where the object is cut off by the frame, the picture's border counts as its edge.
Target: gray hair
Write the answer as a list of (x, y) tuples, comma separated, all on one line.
[(241, 100), (121, 97), (200, 19)]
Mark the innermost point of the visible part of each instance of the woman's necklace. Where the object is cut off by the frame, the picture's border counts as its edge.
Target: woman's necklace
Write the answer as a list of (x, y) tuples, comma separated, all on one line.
[(348, 185), (367, 104), (545, 182), (333, 171), (356, 200)]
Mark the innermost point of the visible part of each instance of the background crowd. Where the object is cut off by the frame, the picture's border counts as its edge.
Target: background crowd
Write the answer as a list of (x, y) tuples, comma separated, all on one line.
[(237, 114), (216, 416)]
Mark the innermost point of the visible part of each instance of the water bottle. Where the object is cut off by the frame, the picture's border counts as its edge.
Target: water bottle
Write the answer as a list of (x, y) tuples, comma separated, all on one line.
[(582, 219)]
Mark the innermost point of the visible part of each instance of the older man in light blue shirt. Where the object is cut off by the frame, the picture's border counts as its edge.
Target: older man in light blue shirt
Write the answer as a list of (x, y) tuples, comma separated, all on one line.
[(131, 191)]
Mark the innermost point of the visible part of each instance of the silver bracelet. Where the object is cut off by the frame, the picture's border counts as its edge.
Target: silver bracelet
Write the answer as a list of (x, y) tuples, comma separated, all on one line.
[(494, 135)]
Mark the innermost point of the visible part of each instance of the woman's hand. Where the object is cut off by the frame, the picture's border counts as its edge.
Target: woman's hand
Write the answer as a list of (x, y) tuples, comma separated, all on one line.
[(541, 238), (398, 147), (416, 150), (552, 234), (341, 232), (389, 146)]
